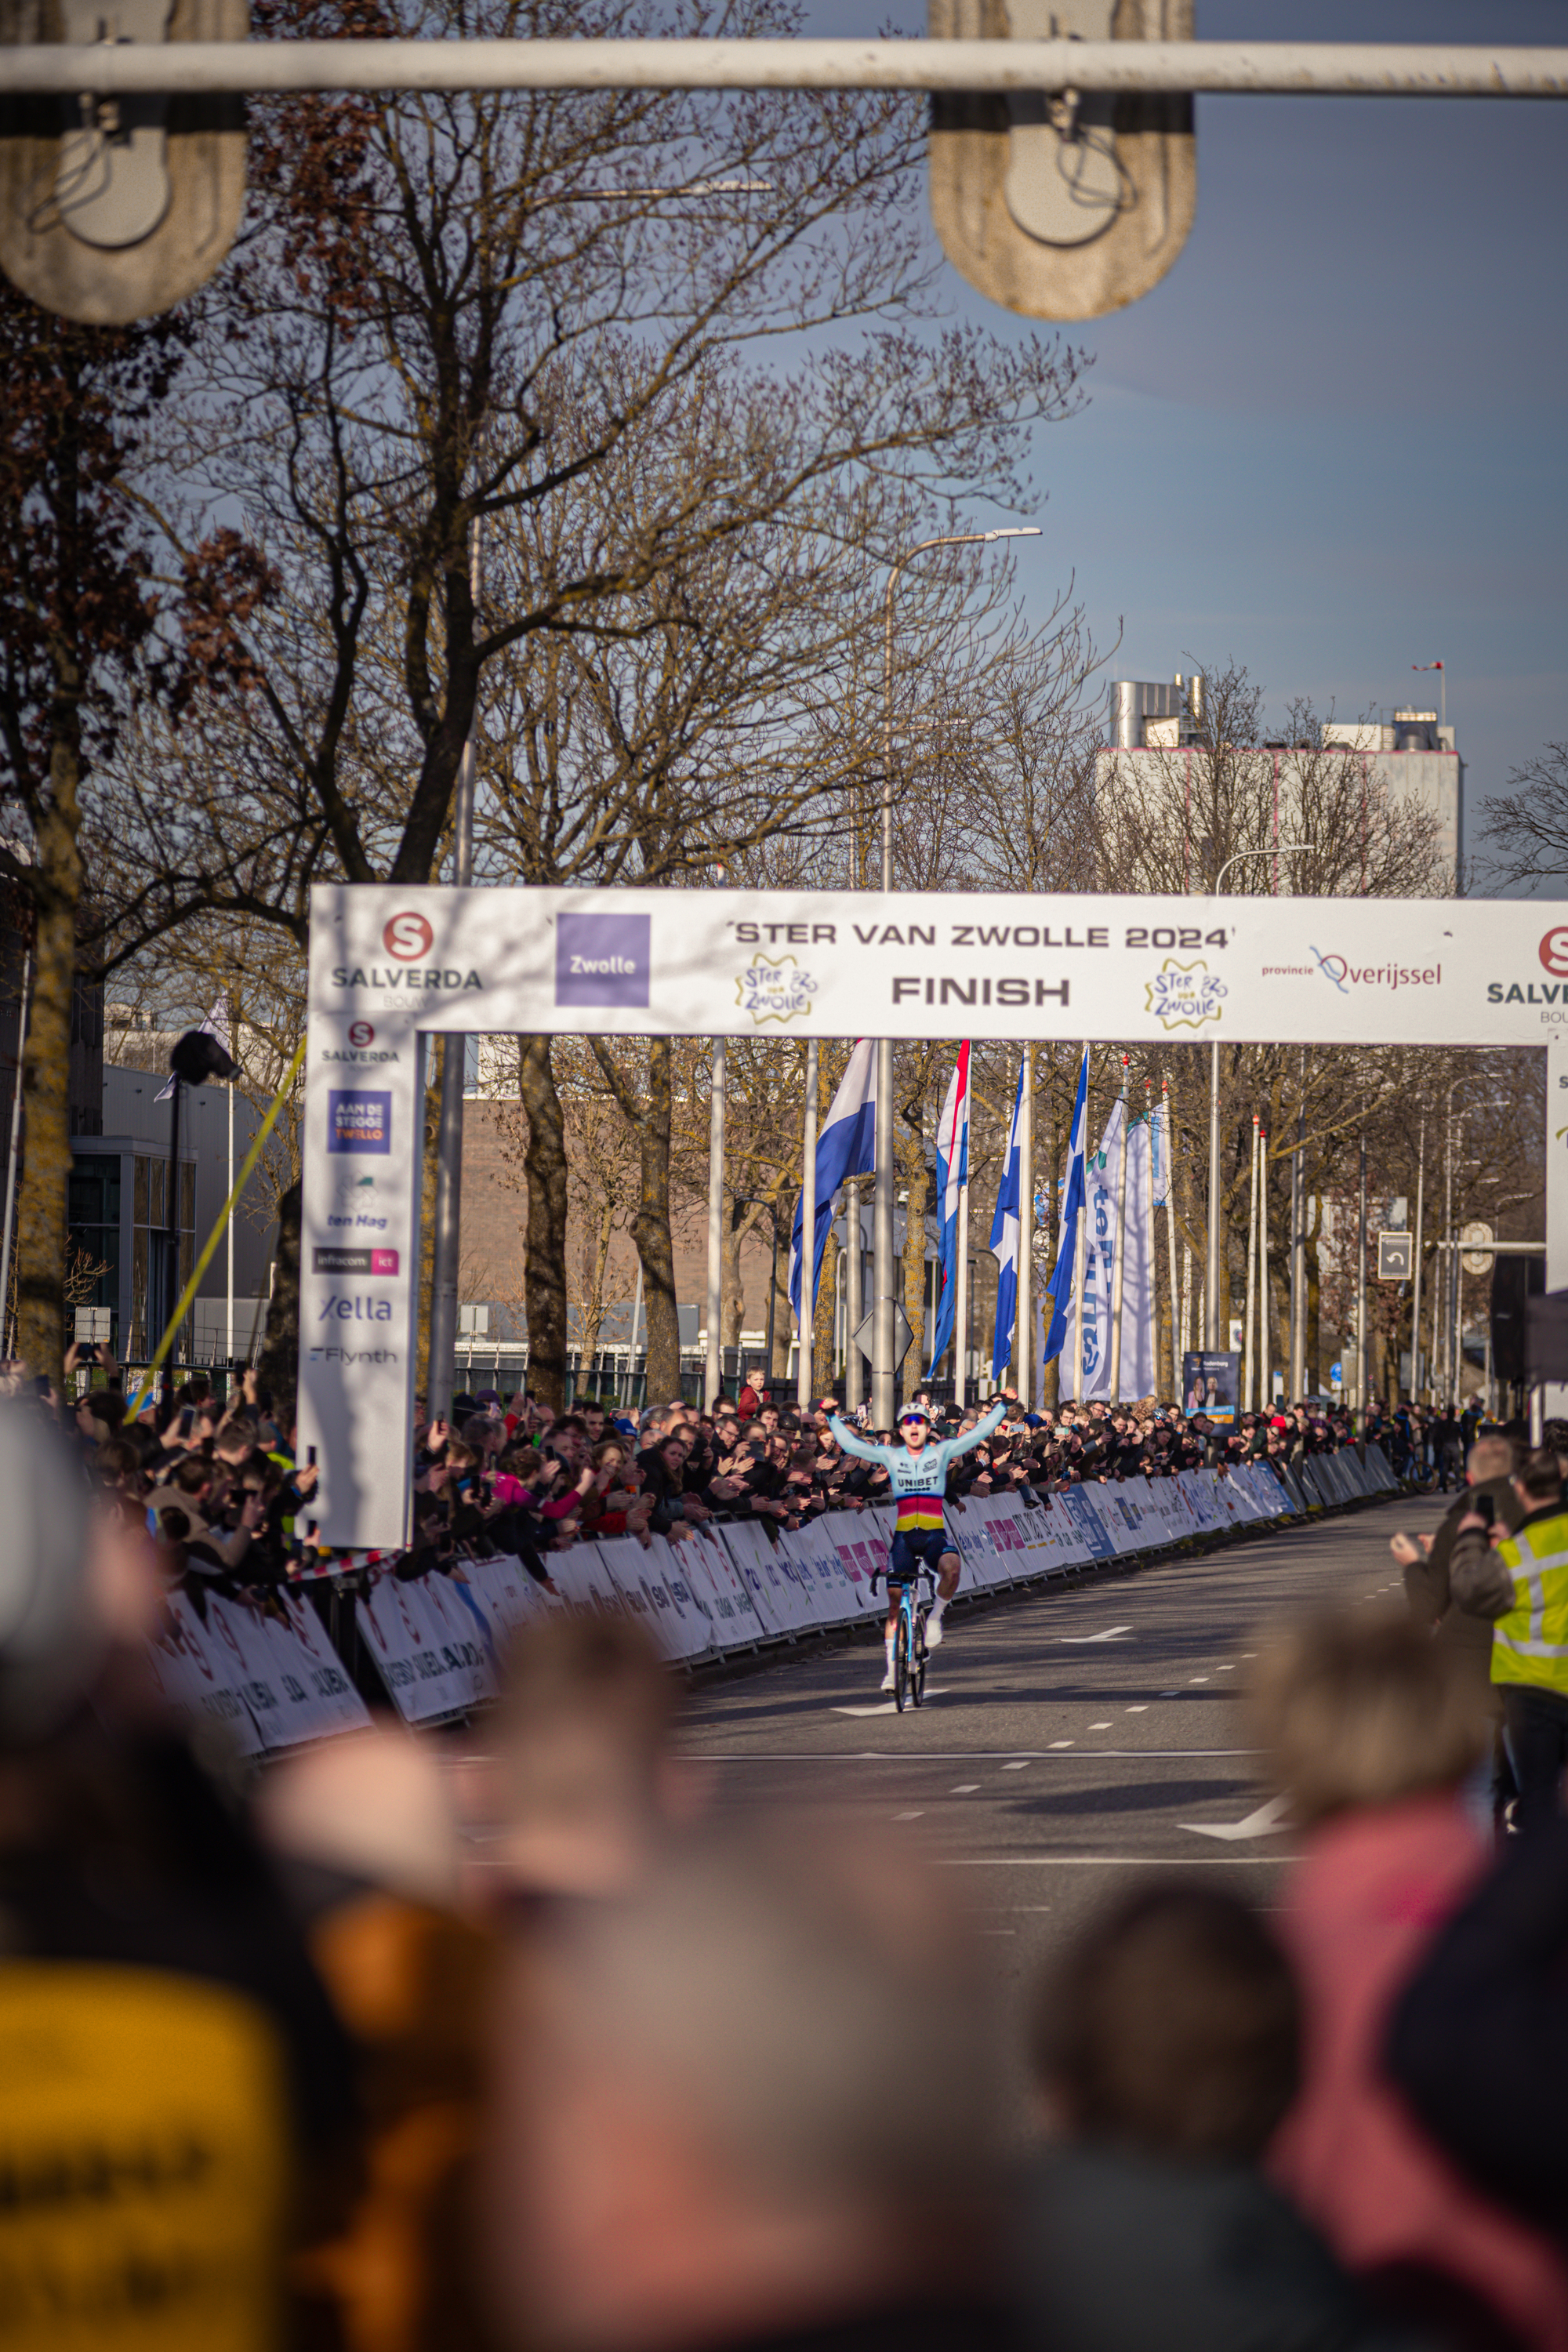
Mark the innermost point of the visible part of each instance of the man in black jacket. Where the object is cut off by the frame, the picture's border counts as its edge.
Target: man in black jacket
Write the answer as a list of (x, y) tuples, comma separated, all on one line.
[(1425, 1560)]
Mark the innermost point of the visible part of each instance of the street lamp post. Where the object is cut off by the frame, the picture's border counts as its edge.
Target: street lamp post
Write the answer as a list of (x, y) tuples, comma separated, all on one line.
[(448, 1217), (882, 1367)]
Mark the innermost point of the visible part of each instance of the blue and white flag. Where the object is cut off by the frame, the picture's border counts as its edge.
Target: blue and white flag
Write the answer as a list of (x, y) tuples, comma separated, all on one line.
[(1005, 1230), (952, 1175), (1059, 1287), (847, 1147)]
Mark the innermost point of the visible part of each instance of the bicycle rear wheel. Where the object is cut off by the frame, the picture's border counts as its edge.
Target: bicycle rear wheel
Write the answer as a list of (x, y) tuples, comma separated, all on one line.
[(902, 1661), (918, 1663)]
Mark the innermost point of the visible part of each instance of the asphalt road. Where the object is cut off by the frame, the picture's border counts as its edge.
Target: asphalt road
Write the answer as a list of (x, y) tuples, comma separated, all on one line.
[(1070, 1738)]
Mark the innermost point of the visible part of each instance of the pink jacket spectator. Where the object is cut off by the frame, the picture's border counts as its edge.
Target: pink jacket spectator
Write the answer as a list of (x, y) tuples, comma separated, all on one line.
[(1361, 1908)]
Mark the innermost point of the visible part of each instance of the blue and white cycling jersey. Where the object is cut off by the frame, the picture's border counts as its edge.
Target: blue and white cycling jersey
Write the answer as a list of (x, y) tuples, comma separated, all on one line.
[(919, 1481)]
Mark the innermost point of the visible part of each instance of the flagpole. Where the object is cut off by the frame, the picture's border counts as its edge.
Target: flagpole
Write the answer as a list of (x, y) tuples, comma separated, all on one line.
[(961, 1303), (1170, 1236), (1153, 1277), (1246, 1403), (804, 1367), (854, 1294), (1023, 1340), (713, 1381), (1264, 1381), (1081, 1253), (228, 1325), (1118, 1267)]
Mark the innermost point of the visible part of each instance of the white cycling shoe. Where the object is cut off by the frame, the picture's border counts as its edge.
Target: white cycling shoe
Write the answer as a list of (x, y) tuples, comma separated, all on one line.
[(933, 1633), (887, 1682)]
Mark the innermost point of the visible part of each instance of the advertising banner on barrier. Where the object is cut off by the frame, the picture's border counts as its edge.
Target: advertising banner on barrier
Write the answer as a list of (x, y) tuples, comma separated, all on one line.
[(736, 1621), (270, 1683), (195, 1681), (433, 1663), (1081, 1508)]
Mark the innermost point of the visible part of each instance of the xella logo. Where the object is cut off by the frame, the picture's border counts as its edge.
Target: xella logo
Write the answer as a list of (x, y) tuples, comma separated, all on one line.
[(1553, 951), (407, 937)]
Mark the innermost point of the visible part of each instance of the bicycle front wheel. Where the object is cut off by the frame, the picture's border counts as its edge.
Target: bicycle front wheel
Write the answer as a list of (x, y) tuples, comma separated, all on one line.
[(902, 1661), (918, 1663)]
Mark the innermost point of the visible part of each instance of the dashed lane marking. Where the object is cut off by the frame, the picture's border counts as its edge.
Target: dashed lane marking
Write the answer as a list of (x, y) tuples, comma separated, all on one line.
[(1111, 1861), (955, 1756)]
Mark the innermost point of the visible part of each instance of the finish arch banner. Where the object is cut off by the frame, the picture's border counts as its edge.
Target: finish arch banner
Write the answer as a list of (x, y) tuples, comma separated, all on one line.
[(388, 966)]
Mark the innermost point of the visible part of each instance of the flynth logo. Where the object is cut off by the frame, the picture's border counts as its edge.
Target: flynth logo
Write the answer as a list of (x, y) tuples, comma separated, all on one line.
[(602, 959), (407, 937)]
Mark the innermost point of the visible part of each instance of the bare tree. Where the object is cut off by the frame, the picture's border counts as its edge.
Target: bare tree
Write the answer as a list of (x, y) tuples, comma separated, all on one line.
[(1525, 829)]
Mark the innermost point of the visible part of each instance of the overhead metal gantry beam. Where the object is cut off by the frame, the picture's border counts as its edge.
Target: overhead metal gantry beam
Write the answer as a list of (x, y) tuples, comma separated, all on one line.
[(1260, 69)]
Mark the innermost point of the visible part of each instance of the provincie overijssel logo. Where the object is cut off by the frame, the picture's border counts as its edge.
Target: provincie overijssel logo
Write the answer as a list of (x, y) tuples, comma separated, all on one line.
[(603, 959), (1185, 995), (1345, 975), (771, 991)]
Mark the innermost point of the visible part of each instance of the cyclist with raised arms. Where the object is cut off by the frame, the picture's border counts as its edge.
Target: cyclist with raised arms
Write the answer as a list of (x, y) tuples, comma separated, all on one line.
[(917, 1470)]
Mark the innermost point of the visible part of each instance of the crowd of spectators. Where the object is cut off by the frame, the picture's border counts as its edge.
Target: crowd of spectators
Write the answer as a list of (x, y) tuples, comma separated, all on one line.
[(530, 1481)]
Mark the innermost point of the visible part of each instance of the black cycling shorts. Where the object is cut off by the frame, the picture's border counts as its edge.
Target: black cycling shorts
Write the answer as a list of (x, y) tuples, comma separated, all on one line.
[(926, 1545)]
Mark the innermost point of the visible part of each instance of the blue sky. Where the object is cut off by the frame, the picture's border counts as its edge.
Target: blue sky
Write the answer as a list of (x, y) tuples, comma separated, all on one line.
[(1331, 442)]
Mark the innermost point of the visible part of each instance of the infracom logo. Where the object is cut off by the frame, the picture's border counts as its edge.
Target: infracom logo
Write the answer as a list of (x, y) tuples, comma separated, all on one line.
[(408, 937)]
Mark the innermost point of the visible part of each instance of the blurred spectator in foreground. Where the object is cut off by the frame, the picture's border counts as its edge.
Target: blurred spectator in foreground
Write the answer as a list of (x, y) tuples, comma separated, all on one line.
[(1520, 1582), (1372, 1726), (1164, 2050), (177, 2091), (364, 1832), (1425, 1561), (584, 1788), (1479, 2040), (750, 2103)]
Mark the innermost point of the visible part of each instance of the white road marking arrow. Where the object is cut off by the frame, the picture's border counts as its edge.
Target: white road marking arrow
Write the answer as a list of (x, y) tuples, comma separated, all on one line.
[(1111, 1633), (1264, 1822)]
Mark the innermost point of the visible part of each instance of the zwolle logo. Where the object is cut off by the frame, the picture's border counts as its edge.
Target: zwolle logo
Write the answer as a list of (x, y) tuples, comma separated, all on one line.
[(602, 959), (1553, 951), (407, 937)]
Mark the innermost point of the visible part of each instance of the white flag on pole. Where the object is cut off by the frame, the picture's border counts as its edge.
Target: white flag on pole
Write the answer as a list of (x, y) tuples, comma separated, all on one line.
[(1138, 1271)]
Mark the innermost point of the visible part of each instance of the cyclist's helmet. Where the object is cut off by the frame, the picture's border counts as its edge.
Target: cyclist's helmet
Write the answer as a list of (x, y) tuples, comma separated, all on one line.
[(914, 1412)]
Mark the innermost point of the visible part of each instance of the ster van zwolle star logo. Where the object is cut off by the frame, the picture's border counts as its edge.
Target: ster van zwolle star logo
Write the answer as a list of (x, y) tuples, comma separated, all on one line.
[(774, 991), (1185, 995)]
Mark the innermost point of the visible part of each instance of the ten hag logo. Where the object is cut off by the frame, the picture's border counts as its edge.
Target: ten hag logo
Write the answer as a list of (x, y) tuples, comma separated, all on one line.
[(1554, 951), (409, 937)]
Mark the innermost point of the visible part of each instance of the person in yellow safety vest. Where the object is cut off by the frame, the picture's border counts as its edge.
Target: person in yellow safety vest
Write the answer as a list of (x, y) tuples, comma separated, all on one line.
[(1520, 1582)]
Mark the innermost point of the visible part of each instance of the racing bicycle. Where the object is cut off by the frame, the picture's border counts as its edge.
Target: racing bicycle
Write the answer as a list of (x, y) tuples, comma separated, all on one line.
[(909, 1638)]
